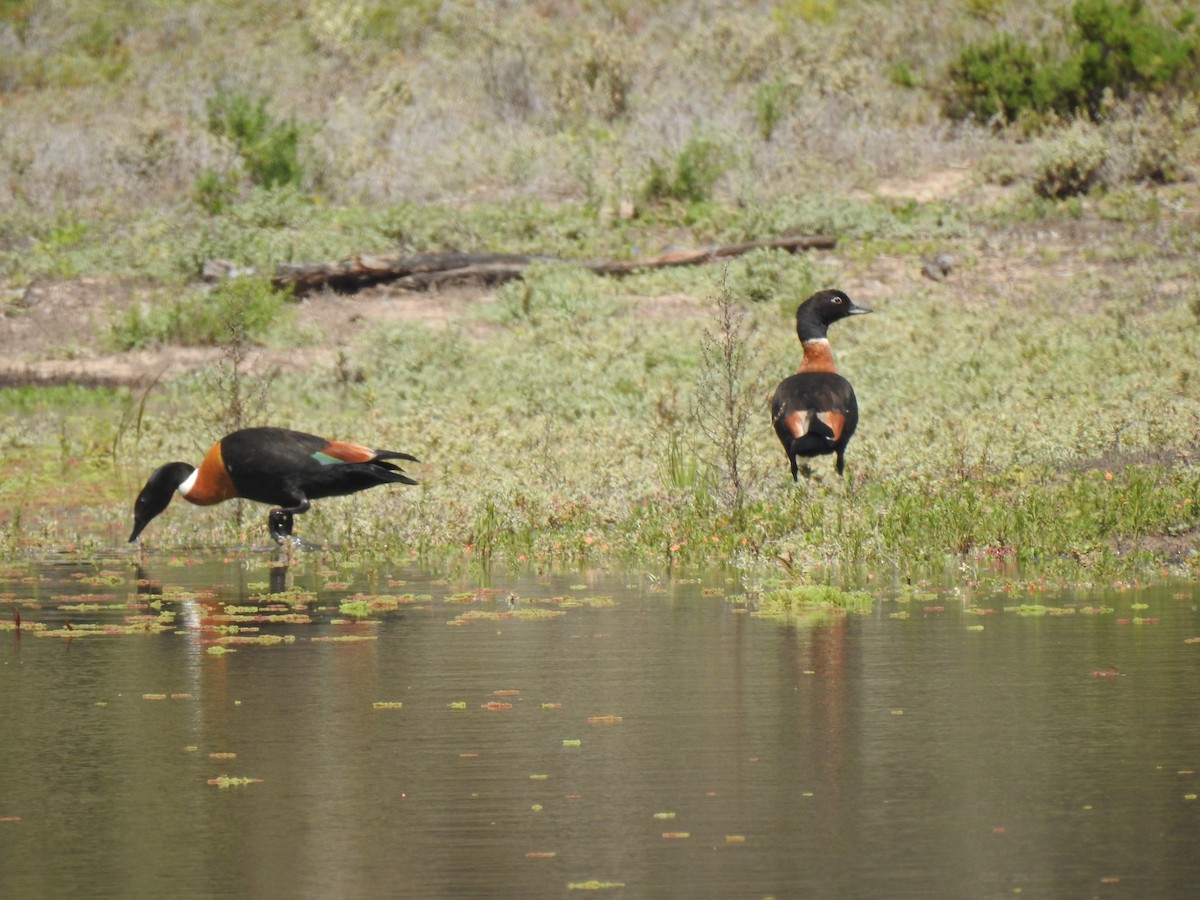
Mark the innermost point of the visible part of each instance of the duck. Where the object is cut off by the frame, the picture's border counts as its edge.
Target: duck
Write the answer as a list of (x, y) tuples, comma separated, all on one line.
[(287, 469), (815, 411)]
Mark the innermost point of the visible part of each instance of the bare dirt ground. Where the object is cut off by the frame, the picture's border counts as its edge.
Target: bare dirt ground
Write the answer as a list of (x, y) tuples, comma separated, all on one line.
[(54, 332)]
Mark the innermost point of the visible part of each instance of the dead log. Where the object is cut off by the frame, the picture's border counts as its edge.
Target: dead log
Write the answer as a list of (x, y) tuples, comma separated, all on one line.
[(423, 271), (349, 275)]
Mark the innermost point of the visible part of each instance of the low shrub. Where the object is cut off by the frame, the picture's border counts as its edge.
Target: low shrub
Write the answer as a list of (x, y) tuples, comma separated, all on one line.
[(1114, 48), (1071, 163), (269, 147), (244, 309), (691, 176)]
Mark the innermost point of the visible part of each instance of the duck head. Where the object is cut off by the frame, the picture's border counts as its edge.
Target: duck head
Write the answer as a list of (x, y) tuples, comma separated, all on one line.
[(822, 309), (157, 493)]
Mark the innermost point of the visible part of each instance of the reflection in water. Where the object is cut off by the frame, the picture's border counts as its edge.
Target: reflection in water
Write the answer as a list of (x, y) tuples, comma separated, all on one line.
[(279, 578), (407, 737)]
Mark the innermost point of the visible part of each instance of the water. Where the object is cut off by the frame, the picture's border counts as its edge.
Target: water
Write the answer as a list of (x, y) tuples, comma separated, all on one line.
[(633, 738)]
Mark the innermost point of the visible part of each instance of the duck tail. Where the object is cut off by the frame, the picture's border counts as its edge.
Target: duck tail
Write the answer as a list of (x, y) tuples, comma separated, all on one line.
[(817, 439)]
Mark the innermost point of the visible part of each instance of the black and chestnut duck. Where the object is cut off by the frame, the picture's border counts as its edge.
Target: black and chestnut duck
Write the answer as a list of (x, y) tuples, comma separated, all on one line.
[(284, 468), (815, 411)]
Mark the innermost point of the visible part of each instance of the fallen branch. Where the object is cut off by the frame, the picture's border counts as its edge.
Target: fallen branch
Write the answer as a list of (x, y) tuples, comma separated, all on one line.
[(423, 271)]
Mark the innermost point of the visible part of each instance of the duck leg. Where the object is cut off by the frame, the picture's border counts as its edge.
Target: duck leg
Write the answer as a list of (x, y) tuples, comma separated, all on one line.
[(281, 520)]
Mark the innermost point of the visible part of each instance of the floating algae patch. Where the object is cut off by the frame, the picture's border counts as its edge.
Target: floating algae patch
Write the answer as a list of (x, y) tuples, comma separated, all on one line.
[(357, 609), (22, 626), (104, 599), (372, 603), (344, 638), (1037, 610), (774, 600), (87, 629), (487, 615), (569, 602), (181, 595), (261, 640), (107, 579), (143, 625), (294, 597), (600, 602), (229, 781), (258, 618), (594, 885)]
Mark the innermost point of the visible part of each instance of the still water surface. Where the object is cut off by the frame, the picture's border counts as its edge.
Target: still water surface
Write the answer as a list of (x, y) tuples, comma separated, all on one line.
[(593, 732)]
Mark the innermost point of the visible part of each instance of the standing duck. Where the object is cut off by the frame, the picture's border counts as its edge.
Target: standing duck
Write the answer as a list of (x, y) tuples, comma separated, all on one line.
[(815, 411), (284, 468)]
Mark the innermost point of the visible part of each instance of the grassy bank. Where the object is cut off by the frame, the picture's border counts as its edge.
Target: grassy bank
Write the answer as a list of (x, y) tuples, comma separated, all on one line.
[(572, 421), (1037, 411)]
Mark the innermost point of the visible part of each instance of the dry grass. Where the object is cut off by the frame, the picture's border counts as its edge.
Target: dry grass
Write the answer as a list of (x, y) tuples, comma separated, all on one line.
[(105, 104)]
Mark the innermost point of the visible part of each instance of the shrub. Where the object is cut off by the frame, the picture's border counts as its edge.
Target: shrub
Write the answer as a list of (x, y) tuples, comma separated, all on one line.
[(1115, 48), (1145, 142), (696, 170), (596, 78), (728, 399), (998, 78), (237, 311), (1071, 163), (1121, 49), (269, 148)]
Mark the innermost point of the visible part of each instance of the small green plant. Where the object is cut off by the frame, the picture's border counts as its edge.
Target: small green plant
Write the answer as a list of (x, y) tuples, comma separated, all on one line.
[(244, 309), (692, 176), (902, 75), (215, 190), (817, 12), (771, 103), (269, 147)]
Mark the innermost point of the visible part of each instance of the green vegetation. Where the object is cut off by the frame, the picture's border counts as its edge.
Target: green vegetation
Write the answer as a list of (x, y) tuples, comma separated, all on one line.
[(789, 600), (692, 176), (241, 310), (269, 148), (1114, 48), (1038, 408)]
